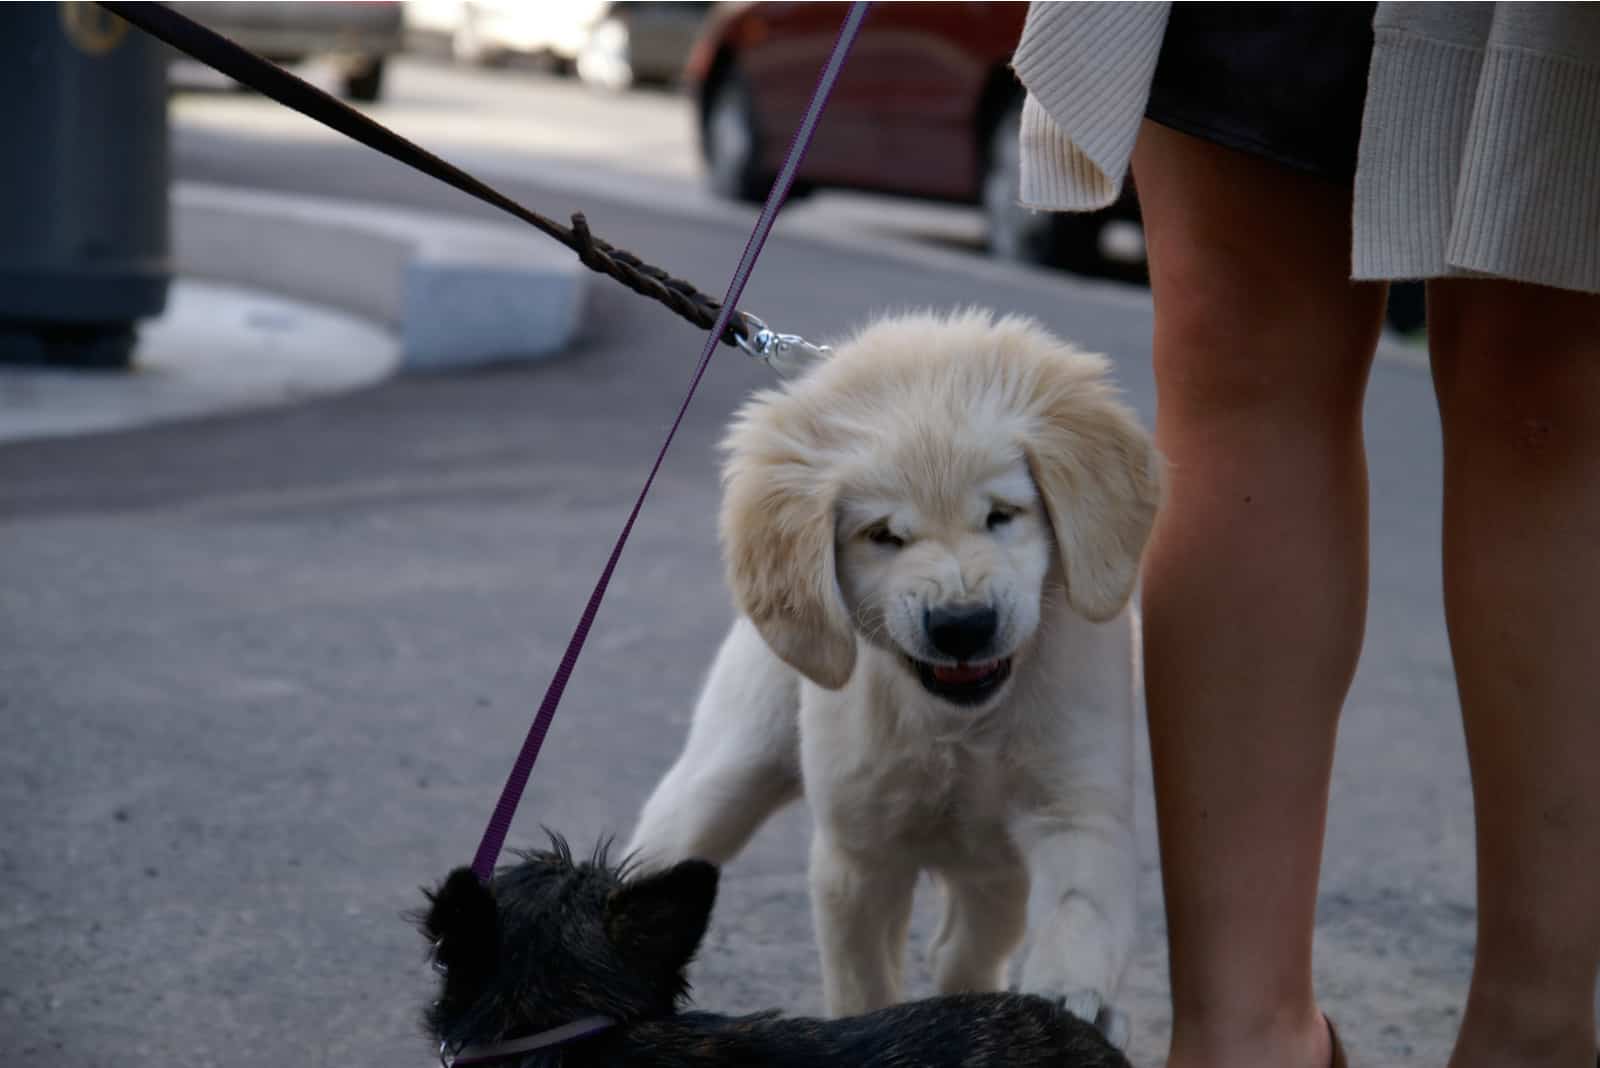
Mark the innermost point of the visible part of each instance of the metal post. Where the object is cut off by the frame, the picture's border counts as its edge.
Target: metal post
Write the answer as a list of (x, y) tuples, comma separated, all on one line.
[(84, 241)]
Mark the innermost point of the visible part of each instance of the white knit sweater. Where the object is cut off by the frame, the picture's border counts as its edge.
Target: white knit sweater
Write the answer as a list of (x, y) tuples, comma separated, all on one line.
[(1480, 142)]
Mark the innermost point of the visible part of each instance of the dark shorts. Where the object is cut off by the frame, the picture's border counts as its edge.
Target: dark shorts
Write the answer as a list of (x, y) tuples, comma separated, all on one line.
[(1282, 81)]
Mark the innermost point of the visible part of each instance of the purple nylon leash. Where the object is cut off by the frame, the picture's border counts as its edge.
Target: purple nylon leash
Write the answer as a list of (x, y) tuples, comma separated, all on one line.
[(494, 836)]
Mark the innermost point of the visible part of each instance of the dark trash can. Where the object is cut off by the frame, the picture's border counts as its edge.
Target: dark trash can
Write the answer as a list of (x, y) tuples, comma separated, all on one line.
[(84, 240)]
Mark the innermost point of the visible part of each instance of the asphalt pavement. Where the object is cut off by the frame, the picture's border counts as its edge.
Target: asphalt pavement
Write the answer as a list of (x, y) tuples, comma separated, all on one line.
[(263, 674)]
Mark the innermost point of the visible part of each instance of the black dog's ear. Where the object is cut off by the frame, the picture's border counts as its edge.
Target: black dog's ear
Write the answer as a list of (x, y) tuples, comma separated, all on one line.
[(463, 923), (659, 919)]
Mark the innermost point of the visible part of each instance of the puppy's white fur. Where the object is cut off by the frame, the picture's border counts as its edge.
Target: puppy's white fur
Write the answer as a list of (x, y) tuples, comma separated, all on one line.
[(920, 431)]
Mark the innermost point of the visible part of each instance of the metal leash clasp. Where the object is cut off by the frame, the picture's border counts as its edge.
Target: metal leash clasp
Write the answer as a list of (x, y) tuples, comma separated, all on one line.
[(787, 354)]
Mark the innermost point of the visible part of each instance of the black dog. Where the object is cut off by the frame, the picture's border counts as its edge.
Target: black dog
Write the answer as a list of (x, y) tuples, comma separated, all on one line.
[(584, 964)]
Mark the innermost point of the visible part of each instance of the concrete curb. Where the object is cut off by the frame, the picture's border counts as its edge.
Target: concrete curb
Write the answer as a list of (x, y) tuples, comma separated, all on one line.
[(216, 349), (457, 293)]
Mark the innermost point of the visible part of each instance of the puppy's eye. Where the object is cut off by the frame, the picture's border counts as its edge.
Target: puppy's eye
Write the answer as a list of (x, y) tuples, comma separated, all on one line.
[(880, 534), (999, 517)]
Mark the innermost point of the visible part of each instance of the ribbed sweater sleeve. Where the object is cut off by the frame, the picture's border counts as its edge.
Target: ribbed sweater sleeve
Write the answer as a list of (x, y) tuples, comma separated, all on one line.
[(1087, 68), (1479, 155)]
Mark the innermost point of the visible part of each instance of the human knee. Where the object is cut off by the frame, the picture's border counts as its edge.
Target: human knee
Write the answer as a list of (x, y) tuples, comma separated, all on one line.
[(1236, 340), (1515, 366)]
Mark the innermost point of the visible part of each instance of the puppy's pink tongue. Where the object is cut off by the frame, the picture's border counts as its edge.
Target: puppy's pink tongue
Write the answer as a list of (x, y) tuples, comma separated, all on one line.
[(963, 672)]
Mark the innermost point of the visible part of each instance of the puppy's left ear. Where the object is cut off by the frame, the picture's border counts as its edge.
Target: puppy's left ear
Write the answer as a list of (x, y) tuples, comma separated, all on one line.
[(660, 918), (463, 923), (1100, 476)]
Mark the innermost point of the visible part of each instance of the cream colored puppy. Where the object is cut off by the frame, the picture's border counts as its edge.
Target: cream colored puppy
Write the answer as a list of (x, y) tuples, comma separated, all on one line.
[(932, 538)]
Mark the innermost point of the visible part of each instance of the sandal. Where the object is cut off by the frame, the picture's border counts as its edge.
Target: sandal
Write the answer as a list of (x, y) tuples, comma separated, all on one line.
[(1338, 1050)]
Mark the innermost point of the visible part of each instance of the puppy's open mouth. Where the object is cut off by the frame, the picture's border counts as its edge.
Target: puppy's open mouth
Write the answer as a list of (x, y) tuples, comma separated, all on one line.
[(963, 684)]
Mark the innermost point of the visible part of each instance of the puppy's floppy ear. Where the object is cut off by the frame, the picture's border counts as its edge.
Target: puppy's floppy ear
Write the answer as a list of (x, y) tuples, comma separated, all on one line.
[(660, 918), (463, 923), (778, 538), (1100, 476)]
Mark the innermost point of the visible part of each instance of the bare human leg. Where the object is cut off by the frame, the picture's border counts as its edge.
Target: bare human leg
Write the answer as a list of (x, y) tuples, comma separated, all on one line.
[(1517, 372), (1256, 579)]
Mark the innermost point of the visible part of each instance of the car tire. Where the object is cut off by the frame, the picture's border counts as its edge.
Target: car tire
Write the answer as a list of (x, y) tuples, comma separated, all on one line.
[(1407, 310), (365, 83), (731, 141)]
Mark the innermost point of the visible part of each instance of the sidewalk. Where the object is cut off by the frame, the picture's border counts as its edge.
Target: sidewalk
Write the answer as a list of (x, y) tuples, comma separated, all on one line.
[(283, 297), (217, 348)]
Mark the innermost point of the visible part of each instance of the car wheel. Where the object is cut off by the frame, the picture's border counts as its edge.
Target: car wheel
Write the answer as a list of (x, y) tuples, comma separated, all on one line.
[(1407, 311), (732, 143), (365, 82)]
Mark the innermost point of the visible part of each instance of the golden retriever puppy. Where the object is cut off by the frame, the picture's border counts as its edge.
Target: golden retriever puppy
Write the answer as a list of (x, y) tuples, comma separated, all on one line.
[(932, 539)]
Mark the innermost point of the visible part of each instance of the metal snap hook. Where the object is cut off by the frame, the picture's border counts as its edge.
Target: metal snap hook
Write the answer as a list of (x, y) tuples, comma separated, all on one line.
[(787, 354)]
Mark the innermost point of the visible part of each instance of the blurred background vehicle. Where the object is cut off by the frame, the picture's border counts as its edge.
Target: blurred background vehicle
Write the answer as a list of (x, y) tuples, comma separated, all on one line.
[(487, 32), (640, 42), (927, 107), (924, 121), (359, 36)]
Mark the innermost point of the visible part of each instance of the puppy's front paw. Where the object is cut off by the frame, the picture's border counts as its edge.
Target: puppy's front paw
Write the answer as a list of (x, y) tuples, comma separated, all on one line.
[(1091, 1007)]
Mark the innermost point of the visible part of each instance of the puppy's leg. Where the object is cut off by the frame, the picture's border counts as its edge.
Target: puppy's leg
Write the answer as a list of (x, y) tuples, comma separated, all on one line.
[(859, 906), (985, 917), (896, 932), (741, 761), (1082, 946)]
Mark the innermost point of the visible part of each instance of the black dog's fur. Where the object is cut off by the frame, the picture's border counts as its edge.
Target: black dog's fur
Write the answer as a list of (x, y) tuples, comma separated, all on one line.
[(553, 940)]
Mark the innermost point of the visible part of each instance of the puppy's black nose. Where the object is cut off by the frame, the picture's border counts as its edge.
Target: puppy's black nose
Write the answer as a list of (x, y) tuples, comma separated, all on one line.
[(962, 631)]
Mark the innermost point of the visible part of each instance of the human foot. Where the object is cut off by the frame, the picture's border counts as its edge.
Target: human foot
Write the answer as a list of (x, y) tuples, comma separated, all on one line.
[(1314, 1045)]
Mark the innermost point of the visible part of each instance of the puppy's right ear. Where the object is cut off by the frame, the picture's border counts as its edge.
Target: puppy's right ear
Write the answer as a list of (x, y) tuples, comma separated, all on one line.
[(659, 919), (463, 923), (778, 541), (778, 538)]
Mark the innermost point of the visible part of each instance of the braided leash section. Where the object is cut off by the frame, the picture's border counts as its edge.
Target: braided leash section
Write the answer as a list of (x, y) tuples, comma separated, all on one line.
[(494, 835), (653, 282)]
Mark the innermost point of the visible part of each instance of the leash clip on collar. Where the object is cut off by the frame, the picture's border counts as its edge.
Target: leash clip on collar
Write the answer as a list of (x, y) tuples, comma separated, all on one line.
[(490, 1052), (787, 354)]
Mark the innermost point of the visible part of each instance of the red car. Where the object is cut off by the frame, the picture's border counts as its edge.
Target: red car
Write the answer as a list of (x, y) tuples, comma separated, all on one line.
[(926, 106)]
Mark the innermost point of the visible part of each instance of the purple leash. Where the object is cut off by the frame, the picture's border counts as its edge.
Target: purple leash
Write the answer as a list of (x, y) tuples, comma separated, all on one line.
[(494, 836)]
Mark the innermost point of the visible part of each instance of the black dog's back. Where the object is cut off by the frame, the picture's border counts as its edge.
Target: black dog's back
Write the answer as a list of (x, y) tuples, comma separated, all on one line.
[(995, 1030)]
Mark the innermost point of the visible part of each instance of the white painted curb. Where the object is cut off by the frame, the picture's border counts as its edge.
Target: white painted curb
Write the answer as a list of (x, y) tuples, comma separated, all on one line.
[(457, 293)]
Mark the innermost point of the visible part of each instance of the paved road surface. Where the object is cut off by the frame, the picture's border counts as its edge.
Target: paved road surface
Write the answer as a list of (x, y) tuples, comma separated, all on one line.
[(262, 676)]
